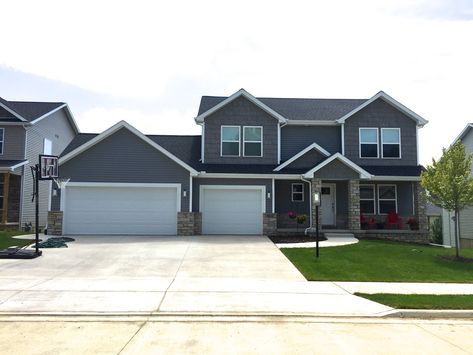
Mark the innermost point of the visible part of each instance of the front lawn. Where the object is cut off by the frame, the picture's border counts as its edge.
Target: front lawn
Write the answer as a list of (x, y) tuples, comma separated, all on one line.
[(6, 239), (421, 301), (374, 260)]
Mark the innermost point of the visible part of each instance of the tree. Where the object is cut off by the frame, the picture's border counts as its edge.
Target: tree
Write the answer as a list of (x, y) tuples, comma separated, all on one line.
[(448, 183)]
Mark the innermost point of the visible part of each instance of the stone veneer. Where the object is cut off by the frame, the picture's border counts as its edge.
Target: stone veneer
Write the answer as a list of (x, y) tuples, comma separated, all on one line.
[(55, 222), (420, 206), (354, 205), (189, 223), (270, 221), (408, 236)]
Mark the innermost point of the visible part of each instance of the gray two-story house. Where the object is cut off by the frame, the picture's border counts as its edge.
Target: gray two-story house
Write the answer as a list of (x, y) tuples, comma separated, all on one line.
[(256, 160), (28, 129)]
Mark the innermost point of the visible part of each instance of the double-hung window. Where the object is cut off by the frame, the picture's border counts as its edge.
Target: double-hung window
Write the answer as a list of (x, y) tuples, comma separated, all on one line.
[(367, 199), (230, 141), (391, 142), (368, 143), (252, 141), (297, 192), (2, 139), (387, 199)]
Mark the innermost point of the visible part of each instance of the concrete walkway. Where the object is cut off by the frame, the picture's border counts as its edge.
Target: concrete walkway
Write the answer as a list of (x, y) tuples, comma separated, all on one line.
[(333, 240)]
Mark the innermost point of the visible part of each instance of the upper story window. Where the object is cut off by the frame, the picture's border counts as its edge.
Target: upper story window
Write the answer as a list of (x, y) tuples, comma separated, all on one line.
[(391, 142), (252, 141), (297, 192), (47, 147), (230, 141), (369, 143), (2, 139)]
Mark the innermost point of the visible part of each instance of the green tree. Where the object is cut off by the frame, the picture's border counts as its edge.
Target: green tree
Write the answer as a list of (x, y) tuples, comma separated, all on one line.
[(448, 183)]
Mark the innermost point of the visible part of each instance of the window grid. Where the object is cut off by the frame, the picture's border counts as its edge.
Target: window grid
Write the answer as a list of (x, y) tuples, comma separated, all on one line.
[(383, 143), (297, 191), (369, 199), (380, 200), (260, 141), (229, 141), (361, 129)]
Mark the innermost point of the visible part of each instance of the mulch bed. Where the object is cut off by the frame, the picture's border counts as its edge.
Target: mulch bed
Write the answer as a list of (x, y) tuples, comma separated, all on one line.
[(460, 259), (294, 238)]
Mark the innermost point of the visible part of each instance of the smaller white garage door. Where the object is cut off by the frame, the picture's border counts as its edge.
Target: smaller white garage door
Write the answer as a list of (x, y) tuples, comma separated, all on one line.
[(232, 209), (121, 209)]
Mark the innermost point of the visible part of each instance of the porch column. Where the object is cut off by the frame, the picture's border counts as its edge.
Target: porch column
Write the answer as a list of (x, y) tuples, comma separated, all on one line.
[(354, 205), (6, 189), (419, 206), (316, 186)]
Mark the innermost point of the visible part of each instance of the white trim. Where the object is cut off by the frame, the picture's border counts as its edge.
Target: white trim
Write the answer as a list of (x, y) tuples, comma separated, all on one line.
[(311, 123), (399, 132), (68, 113), (190, 193), (13, 167), (279, 143), (221, 141), (202, 144), (244, 93), (343, 137), (233, 187), (395, 178), (333, 188), (382, 95), (384, 199), (377, 142), (50, 150), (273, 196), (47, 114), (460, 136), (3, 139), (363, 173), (204, 175), (14, 113), (260, 142), (292, 192), (301, 153), (113, 129), (373, 186), (417, 145)]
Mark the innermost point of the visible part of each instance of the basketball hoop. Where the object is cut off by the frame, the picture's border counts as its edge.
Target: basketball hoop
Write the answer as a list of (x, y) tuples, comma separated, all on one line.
[(61, 182)]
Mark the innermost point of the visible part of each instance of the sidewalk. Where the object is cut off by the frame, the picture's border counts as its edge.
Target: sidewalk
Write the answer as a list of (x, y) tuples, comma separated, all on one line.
[(407, 288)]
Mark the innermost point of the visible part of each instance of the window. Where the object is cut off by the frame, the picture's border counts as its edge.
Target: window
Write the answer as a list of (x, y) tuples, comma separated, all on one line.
[(297, 193), (391, 142), (252, 141), (1, 191), (230, 141), (367, 200), (368, 143), (387, 199), (2, 139), (47, 147)]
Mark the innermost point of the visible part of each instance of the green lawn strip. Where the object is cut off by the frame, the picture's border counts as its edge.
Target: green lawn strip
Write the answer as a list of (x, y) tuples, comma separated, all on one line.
[(6, 239), (374, 260), (421, 301)]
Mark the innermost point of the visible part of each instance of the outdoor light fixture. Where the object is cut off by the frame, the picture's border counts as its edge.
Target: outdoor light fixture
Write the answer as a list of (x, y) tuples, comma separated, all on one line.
[(268, 194), (184, 193), (316, 203), (316, 198)]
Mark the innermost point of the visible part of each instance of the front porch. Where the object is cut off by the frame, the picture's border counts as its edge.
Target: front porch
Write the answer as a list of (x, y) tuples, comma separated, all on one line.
[(10, 197)]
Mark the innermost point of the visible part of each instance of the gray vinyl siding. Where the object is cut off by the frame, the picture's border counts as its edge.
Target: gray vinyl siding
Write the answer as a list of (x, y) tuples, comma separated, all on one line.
[(467, 140), (59, 131), (307, 161), (13, 143), (123, 157), (466, 215), (404, 197), (336, 170), (296, 138), (197, 182), (284, 203), (240, 112), (380, 114)]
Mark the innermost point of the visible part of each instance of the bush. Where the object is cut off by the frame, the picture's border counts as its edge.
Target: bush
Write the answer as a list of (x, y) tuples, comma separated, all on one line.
[(436, 231)]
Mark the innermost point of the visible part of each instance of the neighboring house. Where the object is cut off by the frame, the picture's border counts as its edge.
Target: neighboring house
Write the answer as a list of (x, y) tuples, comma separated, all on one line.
[(466, 215), (256, 160), (28, 129)]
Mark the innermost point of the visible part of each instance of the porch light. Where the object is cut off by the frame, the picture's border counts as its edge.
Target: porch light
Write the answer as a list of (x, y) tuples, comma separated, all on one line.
[(268, 195), (184, 193), (316, 198)]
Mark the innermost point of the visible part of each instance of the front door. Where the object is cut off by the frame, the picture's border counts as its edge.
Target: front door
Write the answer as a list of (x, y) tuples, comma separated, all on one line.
[(328, 204)]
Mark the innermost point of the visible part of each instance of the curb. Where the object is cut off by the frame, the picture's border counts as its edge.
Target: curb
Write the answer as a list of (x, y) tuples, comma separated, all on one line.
[(430, 313)]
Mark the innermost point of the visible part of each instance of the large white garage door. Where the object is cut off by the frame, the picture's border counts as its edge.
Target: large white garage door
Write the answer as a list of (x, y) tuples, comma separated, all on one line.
[(146, 210), (232, 210)]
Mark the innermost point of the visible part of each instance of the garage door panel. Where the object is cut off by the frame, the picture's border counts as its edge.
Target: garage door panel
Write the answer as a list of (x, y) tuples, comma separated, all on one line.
[(232, 211), (121, 210)]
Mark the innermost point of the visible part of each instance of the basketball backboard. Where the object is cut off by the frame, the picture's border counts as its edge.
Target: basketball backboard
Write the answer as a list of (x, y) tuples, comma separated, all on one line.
[(48, 167)]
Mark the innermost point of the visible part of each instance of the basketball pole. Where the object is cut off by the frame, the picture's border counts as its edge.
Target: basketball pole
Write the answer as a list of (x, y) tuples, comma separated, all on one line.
[(36, 182)]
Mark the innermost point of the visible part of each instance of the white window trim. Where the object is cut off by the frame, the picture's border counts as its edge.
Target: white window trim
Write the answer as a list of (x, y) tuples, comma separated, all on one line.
[(50, 151), (400, 151), (260, 141), (377, 142), (387, 199), (2, 140), (298, 193), (222, 141), (369, 199)]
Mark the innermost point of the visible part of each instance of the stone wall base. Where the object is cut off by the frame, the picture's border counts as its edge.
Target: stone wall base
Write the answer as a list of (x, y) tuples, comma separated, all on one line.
[(189, 223), (55, 222), (408, 236), (270, 223)]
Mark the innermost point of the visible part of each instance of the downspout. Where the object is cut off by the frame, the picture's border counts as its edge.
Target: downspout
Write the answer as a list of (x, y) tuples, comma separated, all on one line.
[(310, 203)]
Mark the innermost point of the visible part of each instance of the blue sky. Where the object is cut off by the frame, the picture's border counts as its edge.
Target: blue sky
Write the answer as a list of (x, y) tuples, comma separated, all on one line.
[(149, 62)]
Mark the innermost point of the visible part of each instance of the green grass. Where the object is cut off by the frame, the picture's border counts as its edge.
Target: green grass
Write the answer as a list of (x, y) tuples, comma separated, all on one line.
[(6, 239), (421, 301), (373, 260)]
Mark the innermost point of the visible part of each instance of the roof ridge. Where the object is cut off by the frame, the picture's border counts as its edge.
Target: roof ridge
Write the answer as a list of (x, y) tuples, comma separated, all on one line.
[(36, 102)]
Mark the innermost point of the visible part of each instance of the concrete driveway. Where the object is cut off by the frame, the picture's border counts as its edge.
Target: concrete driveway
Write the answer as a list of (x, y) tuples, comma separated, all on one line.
[(148, 275)]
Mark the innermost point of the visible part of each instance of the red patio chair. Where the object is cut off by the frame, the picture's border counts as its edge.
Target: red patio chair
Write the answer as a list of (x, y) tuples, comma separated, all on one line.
[(393, 221)]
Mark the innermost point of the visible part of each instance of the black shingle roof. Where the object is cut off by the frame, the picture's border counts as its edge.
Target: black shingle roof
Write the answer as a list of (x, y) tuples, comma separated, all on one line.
[(10, 163), (401, 170), (29, 110), (297, 109)]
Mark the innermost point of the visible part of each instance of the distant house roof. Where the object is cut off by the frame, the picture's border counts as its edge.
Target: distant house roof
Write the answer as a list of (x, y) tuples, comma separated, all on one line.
[(27, 110), (464, 132)]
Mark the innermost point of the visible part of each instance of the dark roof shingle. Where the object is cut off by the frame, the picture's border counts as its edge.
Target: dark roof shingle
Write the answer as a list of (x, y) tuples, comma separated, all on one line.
[(30, 110)]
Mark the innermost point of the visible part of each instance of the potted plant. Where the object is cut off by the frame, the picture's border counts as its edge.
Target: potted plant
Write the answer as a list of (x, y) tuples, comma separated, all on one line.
[(300, 219), (413, 223)]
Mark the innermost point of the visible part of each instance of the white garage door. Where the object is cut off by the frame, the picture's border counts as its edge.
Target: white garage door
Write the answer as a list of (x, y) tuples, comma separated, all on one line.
[(232, 210), (145, 210)]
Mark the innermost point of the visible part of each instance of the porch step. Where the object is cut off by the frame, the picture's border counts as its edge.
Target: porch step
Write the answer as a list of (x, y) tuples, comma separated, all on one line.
[(339, 235)]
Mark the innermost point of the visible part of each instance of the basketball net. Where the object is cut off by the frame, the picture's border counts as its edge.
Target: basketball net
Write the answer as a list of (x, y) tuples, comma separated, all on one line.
[(61, 182)]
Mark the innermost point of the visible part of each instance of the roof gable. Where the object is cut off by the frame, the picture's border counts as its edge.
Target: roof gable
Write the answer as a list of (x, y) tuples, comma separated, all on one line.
[(464, 132), (240, 93), (313, 146), (388, 99), (122, 124), (337, 156)]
